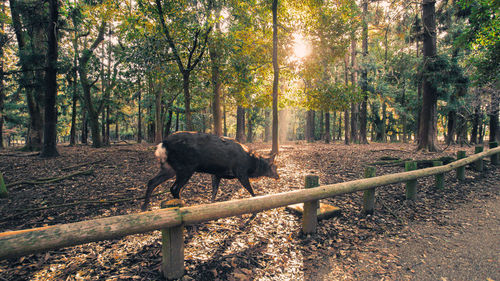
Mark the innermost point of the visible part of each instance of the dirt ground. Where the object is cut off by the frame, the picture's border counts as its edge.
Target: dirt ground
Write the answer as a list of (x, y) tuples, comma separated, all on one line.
[(443, 235)]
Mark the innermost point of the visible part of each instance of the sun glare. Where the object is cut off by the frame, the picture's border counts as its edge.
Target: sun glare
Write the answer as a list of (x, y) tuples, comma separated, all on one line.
[(301, 47)]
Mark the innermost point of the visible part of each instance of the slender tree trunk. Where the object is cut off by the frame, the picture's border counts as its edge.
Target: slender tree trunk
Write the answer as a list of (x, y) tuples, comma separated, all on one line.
[(158, 116), (139, 114), (117, 130), (49, 148), (168, 126), (224, 117), (267, 128), (187, 102), (177, 121), (31, 78), (327, 135), (383, 128), (354, 106), (3, 40), (310, 126), (275, 147), (72, 136), (493, 114), (364, 78), (346, 112), (103, 127), (428, 115), (108, 124), (240, 124), (250, 126), (85, 128), (93, 113), (216, 83), (475, 125)]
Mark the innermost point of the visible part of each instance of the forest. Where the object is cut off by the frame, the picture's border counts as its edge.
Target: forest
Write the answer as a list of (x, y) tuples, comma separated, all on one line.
[(101, 72), (323, 88)]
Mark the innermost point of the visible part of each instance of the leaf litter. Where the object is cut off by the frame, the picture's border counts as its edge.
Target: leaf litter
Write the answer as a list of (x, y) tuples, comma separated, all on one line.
[(264, 246)]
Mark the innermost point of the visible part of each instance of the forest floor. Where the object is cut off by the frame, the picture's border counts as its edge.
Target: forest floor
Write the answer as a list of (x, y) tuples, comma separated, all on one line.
[(451, 234)]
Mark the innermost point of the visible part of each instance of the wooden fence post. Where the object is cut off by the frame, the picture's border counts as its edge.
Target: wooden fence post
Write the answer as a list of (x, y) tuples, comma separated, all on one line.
[(411, 185), (172, 246), (369, 194), (439, 177), (478, 165), (494, 157), (461, 170), (3, 189), (310, 215)]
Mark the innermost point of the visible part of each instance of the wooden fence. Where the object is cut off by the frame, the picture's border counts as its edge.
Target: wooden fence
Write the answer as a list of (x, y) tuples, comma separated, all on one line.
[(172, 220)]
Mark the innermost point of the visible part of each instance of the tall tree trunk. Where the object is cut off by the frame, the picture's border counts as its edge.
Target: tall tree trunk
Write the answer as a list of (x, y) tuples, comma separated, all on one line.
[(49, 148), (139, 114), (157, 88), (240, 124), (493, 114), (168, 126), (85, 127), (310, 126), (267, 128), (339, 135), (185, 70), (108, 124), (3, 41), (275, 147), (383, 126), (475, 125), (216, 83), (93, 112), (354, 106), (250, 126), (364, 78), (224, 118), (327, 135), (187, 102), (31, 79), (72, 135), (117, 130), (346, 112), (428, 115)]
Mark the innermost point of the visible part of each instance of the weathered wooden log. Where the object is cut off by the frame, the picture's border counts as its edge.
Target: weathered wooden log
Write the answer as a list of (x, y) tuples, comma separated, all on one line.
[(478, 165), (411, 185), (310, 216), (494, 157), (29, 241), (172, 246), (461, 169), (439, 178), (369, 194)]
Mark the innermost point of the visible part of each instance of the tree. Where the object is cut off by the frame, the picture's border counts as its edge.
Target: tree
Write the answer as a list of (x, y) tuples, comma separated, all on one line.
[(91, 108), (3, 42), (214, 52), (275, 78), (364, 76), (428, 116), (193, 53), (49, 148), (31, 52)]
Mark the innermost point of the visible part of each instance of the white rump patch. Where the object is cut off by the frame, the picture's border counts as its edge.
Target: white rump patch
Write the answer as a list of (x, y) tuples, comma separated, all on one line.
[(161, 153)]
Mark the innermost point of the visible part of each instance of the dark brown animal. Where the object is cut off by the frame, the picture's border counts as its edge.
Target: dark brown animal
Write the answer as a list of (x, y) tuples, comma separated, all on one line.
[(185, 153)]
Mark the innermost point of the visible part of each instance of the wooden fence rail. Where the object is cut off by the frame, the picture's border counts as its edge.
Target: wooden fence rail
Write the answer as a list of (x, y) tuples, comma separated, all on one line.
[(29, 241)]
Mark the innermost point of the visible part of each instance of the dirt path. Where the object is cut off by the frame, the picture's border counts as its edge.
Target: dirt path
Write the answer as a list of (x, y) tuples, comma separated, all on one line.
[(462, 245)]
